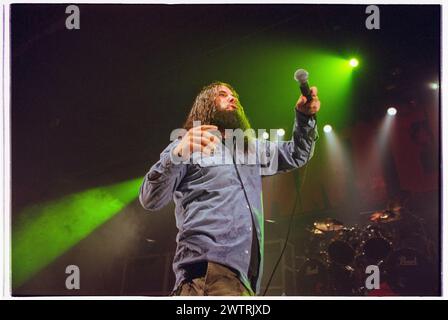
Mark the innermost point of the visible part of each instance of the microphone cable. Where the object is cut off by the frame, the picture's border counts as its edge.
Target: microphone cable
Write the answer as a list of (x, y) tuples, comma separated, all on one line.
[(291, 216)]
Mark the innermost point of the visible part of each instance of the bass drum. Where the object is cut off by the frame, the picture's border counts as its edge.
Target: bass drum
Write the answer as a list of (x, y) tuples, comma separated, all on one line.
[(312, 278), (341, 253), (375, 246), (342, 249), (410, 273)]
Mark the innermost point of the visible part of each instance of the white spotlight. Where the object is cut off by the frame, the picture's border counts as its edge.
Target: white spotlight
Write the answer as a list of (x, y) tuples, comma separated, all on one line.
[(265, 135), (280, 132), (434, 85), (391, 111), (327, 128)]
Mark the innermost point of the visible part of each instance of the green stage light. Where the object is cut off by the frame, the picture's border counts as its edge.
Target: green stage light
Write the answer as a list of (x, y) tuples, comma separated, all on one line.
[(354, 62), (271, 103), (43, 232)]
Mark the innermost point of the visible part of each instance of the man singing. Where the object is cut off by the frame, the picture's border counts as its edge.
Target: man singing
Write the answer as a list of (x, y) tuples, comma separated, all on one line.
[(219, 209)]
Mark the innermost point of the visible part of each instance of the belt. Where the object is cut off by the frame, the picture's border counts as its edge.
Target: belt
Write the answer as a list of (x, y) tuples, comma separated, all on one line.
[(195, 270)]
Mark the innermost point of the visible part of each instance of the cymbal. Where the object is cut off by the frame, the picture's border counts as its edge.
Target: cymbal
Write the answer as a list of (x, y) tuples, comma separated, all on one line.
[(328, 224), (385, 216), (316, 231)]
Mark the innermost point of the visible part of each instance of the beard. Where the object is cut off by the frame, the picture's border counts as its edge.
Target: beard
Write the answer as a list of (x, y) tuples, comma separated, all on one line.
[(234, 119)]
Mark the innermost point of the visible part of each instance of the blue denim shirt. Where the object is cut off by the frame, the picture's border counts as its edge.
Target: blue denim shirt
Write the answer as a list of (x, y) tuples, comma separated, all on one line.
[(212, 214)]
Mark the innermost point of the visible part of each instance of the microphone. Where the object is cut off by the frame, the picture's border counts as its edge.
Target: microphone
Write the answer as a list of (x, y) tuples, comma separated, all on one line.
[(301, 76)]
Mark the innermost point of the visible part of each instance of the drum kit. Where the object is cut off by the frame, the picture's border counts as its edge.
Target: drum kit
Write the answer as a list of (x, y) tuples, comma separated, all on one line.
[(337, 256)]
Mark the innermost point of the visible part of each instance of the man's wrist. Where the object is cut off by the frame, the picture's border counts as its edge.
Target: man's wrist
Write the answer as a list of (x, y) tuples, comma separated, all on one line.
[(305, 117), (175, 157), (177, 152)]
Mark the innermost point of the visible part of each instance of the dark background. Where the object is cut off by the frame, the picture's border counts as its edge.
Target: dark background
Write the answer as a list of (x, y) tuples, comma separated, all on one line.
[(95, 106)]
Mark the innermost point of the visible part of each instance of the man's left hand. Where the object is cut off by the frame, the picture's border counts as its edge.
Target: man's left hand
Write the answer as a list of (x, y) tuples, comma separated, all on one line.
[(309, 107)]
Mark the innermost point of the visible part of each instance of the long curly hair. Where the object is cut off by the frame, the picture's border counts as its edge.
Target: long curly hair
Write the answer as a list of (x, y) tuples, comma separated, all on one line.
[(204, 104)]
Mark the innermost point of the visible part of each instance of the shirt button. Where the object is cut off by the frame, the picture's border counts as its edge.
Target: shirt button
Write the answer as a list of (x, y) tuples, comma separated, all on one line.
[(246, 252), (250, 228), (247, 206)]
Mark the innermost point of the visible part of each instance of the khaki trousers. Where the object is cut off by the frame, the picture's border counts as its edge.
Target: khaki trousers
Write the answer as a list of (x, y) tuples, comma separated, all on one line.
[(217, 281)]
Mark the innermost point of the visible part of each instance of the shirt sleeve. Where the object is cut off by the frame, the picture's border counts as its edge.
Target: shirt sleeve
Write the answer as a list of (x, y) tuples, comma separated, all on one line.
[(283, 156), (162, 180)]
